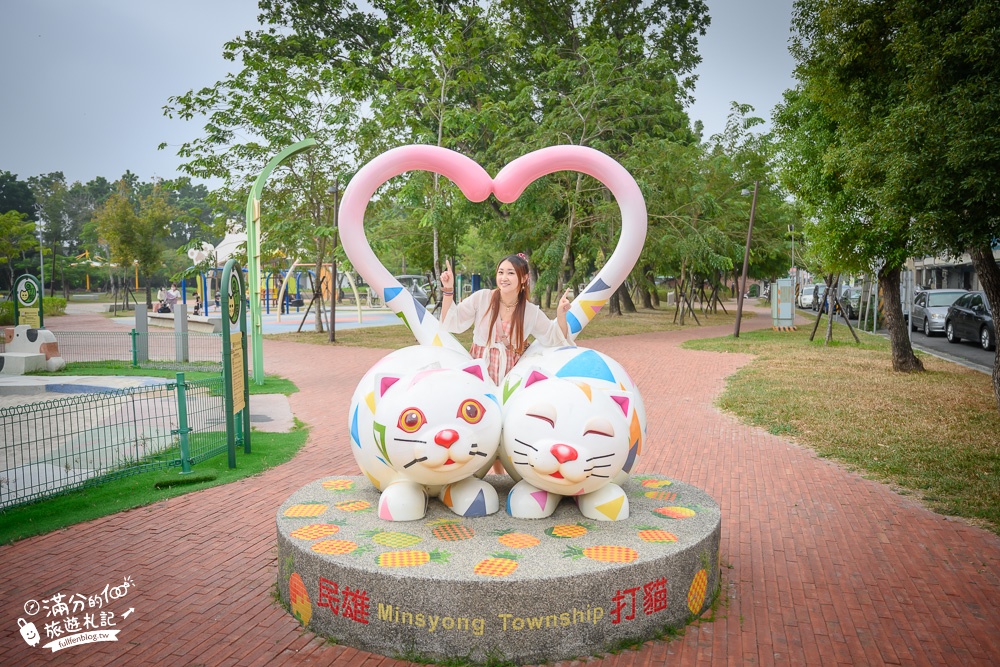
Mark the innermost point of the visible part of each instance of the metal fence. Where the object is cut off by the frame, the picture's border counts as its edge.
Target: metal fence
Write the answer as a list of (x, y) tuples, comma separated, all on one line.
[(54, 446)]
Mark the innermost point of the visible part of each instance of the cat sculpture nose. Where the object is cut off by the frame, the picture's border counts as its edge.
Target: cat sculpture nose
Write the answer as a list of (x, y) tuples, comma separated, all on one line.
[(563, 453), (446, 437)]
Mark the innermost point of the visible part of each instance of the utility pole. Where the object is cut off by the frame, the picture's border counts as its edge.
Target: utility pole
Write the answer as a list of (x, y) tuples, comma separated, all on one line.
[(746, 264), (333, 258)]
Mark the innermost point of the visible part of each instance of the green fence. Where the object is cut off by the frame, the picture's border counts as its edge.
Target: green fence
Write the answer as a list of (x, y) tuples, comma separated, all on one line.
[(54, 446)]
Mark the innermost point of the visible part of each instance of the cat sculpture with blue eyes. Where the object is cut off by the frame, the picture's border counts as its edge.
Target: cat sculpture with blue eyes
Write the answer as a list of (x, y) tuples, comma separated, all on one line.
[(574, 424), (425, 421)]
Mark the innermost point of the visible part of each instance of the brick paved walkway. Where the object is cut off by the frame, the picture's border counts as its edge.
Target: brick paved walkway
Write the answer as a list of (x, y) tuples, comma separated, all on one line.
[(821, 566)]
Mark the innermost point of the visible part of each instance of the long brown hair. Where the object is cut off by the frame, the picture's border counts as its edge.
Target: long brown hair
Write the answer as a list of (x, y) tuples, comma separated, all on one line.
[(517, 336)]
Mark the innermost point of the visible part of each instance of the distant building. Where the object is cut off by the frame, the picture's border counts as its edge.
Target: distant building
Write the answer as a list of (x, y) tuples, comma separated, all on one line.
[(944, 272)]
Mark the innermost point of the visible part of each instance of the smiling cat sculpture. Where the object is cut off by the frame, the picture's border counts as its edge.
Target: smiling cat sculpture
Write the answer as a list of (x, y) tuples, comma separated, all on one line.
[(574, 424)]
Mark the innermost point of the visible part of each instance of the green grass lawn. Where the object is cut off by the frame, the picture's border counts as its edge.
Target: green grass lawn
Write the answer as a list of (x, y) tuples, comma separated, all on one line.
[(933, 434), (603, 325), (273, 384)]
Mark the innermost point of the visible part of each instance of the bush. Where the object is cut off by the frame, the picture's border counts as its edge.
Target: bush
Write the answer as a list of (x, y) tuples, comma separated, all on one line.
[(54, 305), (51, 306)]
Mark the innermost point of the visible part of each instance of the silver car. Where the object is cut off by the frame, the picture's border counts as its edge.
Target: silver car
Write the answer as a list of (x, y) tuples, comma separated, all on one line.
[(930, 308)]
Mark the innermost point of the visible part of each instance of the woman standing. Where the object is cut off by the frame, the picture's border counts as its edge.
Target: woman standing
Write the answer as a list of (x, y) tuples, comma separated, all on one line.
[(503, 317)]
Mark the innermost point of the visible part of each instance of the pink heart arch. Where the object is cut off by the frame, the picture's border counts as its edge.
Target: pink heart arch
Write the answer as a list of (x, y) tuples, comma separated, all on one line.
[(477, 185)]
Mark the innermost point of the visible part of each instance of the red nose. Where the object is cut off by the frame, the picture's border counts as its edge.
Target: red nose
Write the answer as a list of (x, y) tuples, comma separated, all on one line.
[(446, 437), (563, 453)]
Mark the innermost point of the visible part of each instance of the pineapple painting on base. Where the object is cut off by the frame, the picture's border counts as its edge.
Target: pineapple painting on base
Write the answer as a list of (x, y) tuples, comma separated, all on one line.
[(526, 590)]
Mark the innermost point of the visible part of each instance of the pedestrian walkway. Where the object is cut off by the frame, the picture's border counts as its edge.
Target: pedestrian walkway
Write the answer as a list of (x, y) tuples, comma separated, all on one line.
[(820, 566)]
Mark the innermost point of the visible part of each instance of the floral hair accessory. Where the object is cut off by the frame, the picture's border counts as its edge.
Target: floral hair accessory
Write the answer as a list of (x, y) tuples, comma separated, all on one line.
[(522, 256)]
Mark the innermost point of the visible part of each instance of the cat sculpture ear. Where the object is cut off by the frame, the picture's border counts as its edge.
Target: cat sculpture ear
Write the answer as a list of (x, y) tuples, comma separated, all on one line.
[(382, 383), (535, 375), (624, 400), (478, 368)]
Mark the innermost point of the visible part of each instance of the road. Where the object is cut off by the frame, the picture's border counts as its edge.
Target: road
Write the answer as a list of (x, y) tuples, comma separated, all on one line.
[(967, 353)]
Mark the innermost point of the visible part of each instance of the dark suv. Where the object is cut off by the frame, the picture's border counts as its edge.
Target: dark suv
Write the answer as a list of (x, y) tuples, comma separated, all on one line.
[(970, 318)]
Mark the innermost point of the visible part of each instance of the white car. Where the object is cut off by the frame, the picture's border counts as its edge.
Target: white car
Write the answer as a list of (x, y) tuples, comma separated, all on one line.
[(806, 297)]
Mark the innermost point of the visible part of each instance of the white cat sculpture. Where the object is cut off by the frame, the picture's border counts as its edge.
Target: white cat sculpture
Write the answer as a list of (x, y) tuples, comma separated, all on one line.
[(590, 407), (424, 421), (574, 424)]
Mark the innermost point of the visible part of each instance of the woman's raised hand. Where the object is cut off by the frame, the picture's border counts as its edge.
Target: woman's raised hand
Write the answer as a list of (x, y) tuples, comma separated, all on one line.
[(447, 277), (565, 302)]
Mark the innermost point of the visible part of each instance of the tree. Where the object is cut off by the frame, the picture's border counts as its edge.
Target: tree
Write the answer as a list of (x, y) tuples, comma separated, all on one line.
[(17, 236), (136, 235), (940, 138), (449, 73), (273, 102), (16, 195), (852, 78)]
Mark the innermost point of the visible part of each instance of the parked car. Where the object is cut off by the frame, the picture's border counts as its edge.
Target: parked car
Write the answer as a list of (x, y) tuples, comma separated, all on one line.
[(970, 318), (417, 286), (851, 302), (930, 307), (806, 296)]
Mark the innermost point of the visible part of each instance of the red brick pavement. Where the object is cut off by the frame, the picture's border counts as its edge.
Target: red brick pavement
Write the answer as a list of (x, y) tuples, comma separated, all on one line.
[(821, 566)]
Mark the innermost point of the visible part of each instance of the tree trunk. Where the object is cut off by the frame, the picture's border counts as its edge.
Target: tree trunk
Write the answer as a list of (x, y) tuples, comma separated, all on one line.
[(831, 289), (614, 304), (989, 276), (532, 283), (647, 298), (568, 243), (317, 285), (626, 299), (903, 359)]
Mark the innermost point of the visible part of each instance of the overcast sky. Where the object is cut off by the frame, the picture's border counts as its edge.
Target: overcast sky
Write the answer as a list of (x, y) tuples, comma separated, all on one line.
[(85, 82)]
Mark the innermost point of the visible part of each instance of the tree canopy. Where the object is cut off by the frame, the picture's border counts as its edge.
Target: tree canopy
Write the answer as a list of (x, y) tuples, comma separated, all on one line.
[(900, 99), (492, 80)]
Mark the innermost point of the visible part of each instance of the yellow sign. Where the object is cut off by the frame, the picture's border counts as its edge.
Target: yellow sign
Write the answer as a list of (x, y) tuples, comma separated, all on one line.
[(29, 317), (236, 362)]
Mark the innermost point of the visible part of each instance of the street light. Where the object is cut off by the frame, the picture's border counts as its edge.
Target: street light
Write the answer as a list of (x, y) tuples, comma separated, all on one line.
[(746, 262), (793, 274), (41, 258), (791, 230)]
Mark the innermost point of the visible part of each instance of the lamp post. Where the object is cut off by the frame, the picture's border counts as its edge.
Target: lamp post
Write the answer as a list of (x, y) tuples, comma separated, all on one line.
[(791, 230), (41, 258), (793, 274), (746, 264)]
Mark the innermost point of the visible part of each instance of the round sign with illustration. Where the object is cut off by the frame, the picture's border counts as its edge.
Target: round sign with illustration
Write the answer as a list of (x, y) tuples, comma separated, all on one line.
[(235, 294), (27, 292)]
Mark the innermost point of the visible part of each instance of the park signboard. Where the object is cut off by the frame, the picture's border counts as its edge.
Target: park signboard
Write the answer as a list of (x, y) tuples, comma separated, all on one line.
[(234, 359), (28, 302)]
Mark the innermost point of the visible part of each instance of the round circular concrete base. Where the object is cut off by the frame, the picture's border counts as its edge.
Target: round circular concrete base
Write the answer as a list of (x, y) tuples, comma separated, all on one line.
[(496, 587)]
